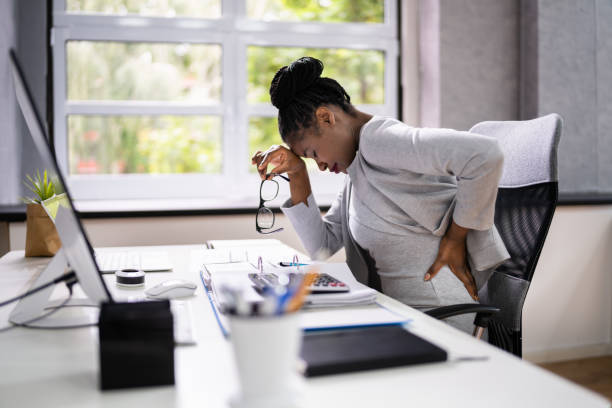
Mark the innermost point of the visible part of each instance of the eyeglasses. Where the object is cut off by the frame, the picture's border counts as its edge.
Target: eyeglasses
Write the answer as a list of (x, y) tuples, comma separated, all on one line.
[(268, 190)]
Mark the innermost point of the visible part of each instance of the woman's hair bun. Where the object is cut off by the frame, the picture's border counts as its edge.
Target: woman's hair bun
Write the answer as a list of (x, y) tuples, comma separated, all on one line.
[(292, 79)]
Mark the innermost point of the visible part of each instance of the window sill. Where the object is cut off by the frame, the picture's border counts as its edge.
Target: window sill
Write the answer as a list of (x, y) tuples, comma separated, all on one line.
[(13, 213), (567, 199), (163, 207), (142, 208), (186, 207)]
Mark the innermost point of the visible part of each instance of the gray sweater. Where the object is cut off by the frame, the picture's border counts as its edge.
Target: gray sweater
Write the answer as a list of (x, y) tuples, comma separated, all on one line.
[(412, 180)]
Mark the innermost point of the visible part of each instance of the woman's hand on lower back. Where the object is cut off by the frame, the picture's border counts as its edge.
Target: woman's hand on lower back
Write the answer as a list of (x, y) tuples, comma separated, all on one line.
[(282, 159), (453, 253)]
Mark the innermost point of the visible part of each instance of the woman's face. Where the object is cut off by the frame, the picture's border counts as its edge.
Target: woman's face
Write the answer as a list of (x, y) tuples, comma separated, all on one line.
[(331, 143)]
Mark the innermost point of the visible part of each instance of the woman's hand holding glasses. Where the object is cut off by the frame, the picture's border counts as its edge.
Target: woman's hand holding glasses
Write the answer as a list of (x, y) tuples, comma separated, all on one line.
[(283, 160), (268, 190)]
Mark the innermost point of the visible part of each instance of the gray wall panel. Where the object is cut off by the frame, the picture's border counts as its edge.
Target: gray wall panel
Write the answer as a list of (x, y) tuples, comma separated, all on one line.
[(9, 143), (511, 59), (429, 50), (479, 61), (567, 85), (528, 72), (604, 91), (22, 27), (32, 52)]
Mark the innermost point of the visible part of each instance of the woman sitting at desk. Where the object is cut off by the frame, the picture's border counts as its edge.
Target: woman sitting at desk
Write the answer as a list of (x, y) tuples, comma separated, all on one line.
[(415, 199)]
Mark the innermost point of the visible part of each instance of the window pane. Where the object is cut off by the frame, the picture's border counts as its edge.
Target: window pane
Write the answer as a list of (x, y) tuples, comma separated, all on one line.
[(144, 71), (360, 72), (263, 133), (160, 8), (144, 144), (327, 11)]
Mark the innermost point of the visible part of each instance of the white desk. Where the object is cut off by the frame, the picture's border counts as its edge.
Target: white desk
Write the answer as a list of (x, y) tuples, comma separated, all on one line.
[(40, 368)]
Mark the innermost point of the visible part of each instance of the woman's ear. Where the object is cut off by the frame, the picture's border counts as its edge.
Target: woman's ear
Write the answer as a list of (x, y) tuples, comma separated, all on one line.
[(325, 117)]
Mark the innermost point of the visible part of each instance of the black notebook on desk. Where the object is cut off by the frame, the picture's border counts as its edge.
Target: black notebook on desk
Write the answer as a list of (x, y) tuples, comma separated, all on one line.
[(365, 348)]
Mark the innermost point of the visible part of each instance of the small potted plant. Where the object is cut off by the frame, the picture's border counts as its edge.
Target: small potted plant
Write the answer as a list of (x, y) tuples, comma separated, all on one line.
[(41, 235)]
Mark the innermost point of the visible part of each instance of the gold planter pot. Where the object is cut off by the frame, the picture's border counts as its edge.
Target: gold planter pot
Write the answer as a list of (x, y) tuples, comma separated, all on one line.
[(41, 235)]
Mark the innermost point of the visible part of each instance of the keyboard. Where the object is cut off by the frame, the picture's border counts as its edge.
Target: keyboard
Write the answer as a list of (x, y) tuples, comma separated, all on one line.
[(149, 261)]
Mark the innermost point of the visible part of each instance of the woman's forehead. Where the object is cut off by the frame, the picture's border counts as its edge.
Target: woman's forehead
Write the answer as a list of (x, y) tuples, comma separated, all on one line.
[(298, 147), (303, 144)]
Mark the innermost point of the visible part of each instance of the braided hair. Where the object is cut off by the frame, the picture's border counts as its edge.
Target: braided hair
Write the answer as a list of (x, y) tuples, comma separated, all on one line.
[(297, 90)]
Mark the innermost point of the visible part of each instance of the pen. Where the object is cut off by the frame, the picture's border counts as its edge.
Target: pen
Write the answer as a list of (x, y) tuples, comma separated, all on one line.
[(285, 293), (270, 300), (235, 303), (243, 308), (229, 302), (285, 263), (205, 274), (297, 300)]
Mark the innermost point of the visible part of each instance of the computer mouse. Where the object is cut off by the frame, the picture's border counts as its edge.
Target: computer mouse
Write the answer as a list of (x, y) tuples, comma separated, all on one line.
[(171, 289)]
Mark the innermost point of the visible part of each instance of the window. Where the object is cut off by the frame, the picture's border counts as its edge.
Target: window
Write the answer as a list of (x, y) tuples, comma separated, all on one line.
[(169, 98)]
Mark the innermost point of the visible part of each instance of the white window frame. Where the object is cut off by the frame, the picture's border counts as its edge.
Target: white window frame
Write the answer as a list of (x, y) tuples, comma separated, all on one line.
[(234, 32)]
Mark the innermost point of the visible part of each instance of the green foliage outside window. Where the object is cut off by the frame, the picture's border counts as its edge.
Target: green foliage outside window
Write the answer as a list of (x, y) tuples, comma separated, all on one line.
[(360, 72), (327, 11), (144, 144), (106, 70), (164, 8), (191, 73)]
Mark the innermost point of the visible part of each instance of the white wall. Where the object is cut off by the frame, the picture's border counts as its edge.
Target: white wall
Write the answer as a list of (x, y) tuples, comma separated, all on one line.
[(171, 231), (568, 311)]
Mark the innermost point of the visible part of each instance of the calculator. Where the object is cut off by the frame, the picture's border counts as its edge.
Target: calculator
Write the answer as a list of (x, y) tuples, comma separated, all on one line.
[(323, 283)]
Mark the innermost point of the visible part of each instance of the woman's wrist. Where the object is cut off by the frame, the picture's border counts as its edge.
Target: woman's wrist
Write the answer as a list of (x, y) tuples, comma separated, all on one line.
[(299, 171), (456, 232), (299, 186)]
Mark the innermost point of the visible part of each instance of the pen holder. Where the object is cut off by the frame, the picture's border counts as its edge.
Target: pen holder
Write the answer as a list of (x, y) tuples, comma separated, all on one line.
[(136, 344), (266, 351)]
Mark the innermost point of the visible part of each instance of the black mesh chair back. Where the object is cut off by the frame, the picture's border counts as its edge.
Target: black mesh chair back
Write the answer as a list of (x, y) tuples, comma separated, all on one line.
[(524, 209)]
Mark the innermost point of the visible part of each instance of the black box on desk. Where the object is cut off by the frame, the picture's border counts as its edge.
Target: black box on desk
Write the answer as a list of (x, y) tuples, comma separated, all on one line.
[(136, 344)]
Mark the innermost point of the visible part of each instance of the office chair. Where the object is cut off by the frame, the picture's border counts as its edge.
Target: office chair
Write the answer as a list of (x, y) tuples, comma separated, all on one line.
[(526, 201)]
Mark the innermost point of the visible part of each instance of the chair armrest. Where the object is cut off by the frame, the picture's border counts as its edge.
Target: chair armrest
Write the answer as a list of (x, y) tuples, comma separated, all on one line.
[(483, 312)]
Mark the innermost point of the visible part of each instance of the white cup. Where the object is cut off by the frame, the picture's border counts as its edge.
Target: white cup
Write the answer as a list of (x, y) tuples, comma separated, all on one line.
[(266, 350)]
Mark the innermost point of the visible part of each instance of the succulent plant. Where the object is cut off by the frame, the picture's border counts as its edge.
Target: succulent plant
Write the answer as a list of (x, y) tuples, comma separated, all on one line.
[(43, 187)]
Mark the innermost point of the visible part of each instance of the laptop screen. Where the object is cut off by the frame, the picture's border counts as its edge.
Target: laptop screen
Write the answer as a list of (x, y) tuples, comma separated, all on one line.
[(77, 248)]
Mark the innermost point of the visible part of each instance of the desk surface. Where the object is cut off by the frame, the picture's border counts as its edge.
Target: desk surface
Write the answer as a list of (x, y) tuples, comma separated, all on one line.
[(42, 368)]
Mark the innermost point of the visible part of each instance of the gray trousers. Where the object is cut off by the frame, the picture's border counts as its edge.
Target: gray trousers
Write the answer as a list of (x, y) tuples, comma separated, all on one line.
[(401, 262)]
